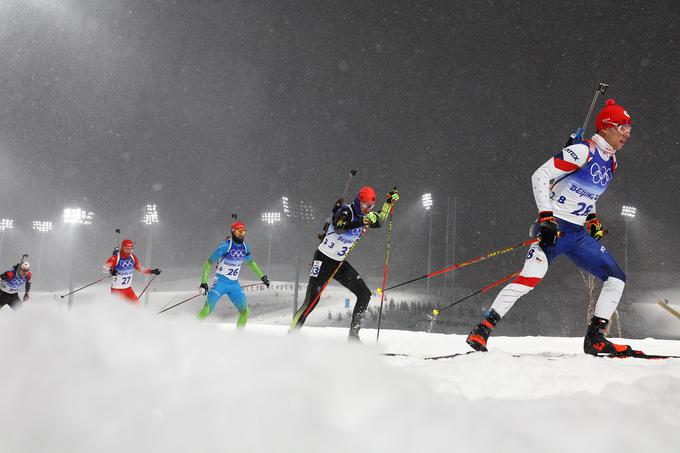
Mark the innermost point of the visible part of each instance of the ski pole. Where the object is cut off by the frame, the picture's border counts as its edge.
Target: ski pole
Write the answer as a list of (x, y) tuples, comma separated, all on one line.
[(296, 317), (387, 258), (578, 135), (195, 296), (147, 285), (179, 303), (664, 304), (466, 263), (83, 287), (352, 173), (436, 311), (254, 284)]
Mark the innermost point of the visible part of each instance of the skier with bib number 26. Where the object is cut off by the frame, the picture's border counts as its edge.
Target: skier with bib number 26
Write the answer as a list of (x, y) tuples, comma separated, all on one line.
[(566, 188), (348, 222), (122, 266), (228, 258)]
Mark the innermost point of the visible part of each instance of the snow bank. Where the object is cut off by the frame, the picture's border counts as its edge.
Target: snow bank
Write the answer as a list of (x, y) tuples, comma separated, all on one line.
[(108, 377)]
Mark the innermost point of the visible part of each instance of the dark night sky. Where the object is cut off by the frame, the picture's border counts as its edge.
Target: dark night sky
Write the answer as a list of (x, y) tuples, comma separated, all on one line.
[(213, 107)]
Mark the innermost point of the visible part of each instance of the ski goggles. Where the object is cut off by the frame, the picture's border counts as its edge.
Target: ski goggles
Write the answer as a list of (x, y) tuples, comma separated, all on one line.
[(622, 128), (367, 205)]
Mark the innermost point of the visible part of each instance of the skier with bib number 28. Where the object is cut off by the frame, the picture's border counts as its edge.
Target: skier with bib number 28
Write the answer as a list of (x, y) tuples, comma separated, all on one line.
[(228, 258), (122, 266), (348, 222), (566, 188)]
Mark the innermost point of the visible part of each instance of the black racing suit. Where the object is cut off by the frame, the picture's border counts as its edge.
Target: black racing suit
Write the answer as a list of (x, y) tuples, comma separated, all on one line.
[(345, 217)]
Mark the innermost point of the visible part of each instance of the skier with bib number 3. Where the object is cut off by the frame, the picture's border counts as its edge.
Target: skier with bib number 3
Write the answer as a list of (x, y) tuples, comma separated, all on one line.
[(122, 266), (566, 188), (228, 258), (347, 224)]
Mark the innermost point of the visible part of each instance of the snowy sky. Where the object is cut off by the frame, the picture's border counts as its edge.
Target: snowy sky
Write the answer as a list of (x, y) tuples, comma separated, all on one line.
[(213, 107)]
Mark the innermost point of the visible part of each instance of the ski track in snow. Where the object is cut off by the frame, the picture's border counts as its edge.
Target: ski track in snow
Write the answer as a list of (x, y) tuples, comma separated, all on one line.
[(109, 377)]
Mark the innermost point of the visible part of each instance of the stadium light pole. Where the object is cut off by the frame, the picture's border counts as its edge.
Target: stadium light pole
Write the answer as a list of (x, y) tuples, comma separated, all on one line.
[(427, 204), (270, 218), (149, 218), (297, 213), (42, 227), (73, 217), (5, 225), (628, 213)]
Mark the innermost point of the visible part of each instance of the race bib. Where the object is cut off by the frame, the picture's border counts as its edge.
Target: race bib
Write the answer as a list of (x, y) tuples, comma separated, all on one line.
[(315, 269)]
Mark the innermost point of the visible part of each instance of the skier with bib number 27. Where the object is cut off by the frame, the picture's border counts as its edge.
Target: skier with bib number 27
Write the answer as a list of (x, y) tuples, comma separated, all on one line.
[(122, 266), (228, 258), (348, 222), (566, 188)]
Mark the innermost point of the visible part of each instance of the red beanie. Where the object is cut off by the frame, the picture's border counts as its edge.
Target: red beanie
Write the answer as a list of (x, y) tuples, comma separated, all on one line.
[(127, 243), (611, 113), (367, 195), (238, 225)]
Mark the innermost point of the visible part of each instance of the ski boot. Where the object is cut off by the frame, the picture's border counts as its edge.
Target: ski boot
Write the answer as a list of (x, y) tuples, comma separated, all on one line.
[(354, 326), (353, 336), (596, 343), (480, 334)]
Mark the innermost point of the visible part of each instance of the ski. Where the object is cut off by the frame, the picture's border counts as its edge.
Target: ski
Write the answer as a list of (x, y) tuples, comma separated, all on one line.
[(547, 355)]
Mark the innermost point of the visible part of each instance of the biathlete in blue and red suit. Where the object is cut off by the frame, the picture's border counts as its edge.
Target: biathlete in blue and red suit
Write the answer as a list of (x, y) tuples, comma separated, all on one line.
[(121, 266), (348, 223), (566, 189), (11, 281)]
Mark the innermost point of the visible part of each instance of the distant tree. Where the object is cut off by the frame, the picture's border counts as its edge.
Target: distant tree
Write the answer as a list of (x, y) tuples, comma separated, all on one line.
[(391, 305)]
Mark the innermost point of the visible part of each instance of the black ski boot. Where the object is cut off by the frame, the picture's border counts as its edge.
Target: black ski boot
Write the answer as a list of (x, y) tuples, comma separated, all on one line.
[(596, 343), (480, 334), (353, 336), (355, 325)]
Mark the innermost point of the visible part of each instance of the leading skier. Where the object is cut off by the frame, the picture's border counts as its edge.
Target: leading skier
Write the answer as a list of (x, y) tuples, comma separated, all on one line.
[(566, 189), (348, 223)]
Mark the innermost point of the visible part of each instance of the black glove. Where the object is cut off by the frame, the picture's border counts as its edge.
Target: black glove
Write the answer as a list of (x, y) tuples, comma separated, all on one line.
[(203, 289), (113, 271), (548, 226), (156, 271), (266, 281), (26, 296), (392, 196), (594, 227)]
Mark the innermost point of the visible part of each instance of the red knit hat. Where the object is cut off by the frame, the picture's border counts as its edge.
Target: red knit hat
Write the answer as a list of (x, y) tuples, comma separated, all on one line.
[(127, 243), (367, 195), (238, 225), (611, 113)]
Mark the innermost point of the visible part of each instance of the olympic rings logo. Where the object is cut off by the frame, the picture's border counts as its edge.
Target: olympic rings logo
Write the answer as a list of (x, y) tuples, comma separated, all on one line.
[(126, 264), (601, 174), (237, 254)]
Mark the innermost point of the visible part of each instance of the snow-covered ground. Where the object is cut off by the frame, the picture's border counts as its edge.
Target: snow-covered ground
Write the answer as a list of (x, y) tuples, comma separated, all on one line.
[(107, 377)]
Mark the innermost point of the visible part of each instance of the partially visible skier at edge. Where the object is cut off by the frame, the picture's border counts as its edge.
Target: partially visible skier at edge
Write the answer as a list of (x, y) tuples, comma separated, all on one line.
[(566, 188), (348, 222), (228, 258)]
